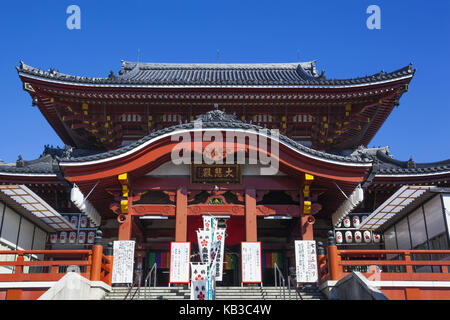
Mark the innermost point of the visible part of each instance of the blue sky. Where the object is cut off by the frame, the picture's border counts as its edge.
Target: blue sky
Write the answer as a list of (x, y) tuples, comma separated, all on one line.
[(333, 32)]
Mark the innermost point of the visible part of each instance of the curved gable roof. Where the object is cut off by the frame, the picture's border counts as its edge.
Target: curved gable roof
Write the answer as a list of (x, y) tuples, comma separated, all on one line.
[(220, 75)]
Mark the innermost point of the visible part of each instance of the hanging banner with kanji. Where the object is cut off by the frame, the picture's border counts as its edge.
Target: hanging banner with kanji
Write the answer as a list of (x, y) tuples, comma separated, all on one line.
[(199, 281), (199, 271), (204, 244), (251, 262), (123, 262), (199, 290), (220, 237), (209, 223), (180, 256), (306, 261)]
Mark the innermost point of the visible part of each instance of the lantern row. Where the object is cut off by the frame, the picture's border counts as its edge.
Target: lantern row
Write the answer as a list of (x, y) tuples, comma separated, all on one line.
[(357, 237), (81, 237)]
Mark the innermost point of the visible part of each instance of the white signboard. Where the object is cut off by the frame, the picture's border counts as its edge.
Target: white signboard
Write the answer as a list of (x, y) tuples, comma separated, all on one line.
[(251, 262), (306, 261), (180, 257), (123, 262)]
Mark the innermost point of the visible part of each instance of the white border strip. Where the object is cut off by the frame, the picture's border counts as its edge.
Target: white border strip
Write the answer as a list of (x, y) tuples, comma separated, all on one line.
[(410, 175), (402, 284), (145, 144), (3, 173), (124, 85)]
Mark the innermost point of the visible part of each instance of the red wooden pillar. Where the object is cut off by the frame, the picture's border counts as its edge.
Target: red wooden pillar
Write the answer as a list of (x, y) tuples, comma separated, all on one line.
[(125, 228), (125, 219), (333, 258), (96, 269), (307, 222), (251, 226), (306, 218), (109, 254), (181, 215)]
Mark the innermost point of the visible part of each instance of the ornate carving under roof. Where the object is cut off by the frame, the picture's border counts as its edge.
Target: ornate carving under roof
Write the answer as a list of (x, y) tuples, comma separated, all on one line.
[(216, 115)]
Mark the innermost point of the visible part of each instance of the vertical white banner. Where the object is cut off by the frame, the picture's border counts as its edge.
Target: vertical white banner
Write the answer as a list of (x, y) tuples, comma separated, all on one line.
[(204, 244), (208, 223), (123, 262), (180, 257), (306, 261), (199, 281), (251, 262), (220, 237), (199, 290), (199, 271)]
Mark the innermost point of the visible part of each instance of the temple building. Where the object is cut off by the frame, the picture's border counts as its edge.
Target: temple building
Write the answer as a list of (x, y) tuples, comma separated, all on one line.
[(116, 172)]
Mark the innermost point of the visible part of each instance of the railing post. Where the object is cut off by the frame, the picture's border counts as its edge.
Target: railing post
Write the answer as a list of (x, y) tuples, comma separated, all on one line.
[(109, 254), (333, 258), (97, 251), (409, 268), (275, 275), (18, 269), (321, 259)]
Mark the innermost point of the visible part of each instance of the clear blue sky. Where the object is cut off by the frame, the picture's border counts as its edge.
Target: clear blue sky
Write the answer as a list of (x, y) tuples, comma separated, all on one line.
[(333, 32)]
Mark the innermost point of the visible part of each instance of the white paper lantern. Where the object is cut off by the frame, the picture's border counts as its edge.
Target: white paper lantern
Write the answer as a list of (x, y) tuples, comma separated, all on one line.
[(53, 238), (358, 237), (63, 237), (83, 222), (367, 236), (347, 222), (90, 237), (339, 238), (376, 238), (355, 221), (72, 237), (82, 237), (74, 220), (348, 237), (363, 218)]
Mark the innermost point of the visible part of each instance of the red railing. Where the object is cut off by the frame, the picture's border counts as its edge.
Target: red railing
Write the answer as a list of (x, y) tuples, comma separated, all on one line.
[(386, 265), (93, 264), (106, 269)]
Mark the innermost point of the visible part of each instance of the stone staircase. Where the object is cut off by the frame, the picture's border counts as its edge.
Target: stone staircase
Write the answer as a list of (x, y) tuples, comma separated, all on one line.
[(222, 293)]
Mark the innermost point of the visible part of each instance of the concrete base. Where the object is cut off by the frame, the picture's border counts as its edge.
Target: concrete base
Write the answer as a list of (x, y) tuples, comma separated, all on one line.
[(75, 287)]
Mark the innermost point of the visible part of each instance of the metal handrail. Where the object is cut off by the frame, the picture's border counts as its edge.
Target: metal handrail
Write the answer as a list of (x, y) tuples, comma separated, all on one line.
[(148, 278), (291, 280), (277, 271), (137, 281)]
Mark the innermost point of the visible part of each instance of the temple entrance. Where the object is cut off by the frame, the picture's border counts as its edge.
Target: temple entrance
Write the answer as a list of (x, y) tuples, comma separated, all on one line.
[(235, 234), (231, 268)]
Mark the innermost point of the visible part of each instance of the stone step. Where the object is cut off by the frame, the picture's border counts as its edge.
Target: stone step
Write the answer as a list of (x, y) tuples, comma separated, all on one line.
[(222, 293)]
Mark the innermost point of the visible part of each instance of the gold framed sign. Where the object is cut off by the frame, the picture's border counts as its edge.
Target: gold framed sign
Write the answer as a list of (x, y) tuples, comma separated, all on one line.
[(216, 174)]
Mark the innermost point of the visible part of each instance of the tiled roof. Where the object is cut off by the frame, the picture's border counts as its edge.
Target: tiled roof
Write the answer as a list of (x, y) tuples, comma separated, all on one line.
[(219, 120), (390, 166), (44, 165), (188, 74), (385, 164)]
